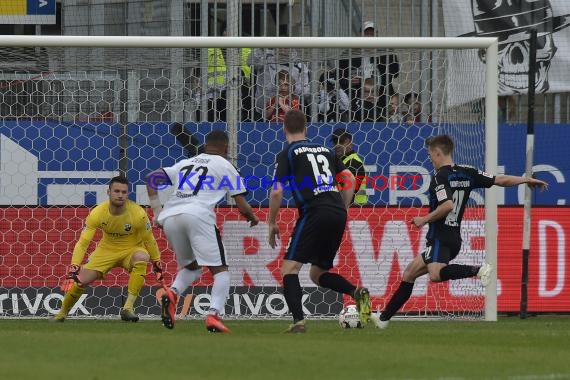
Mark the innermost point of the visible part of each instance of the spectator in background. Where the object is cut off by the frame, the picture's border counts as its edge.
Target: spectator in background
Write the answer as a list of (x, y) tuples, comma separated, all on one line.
[(216, 90), (394, 114), (380, 68), (333, 103), (217, 80), (366, 107), (413, 112), (266, 64), (284, 101), (343, 148)]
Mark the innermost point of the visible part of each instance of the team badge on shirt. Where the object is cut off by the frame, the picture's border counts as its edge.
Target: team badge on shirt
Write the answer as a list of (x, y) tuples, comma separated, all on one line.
[(128, 227), (440, 193)]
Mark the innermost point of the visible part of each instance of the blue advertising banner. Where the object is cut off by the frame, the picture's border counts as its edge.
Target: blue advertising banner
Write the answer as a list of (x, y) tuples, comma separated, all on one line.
[(50, 163), (28, 12)]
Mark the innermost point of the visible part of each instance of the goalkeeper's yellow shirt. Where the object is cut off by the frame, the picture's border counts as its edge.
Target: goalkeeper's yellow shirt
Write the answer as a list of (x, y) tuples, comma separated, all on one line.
[(129, 230)]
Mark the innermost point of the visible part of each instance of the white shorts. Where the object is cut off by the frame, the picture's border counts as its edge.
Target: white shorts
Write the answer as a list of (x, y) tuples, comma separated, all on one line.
[(193, 238)]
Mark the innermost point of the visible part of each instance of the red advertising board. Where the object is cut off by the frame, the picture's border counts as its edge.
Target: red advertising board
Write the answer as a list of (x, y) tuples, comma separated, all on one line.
[(36, 246)]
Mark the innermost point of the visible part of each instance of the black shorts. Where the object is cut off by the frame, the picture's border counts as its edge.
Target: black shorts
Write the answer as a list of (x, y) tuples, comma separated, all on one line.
[(438, 251), (317, 236)]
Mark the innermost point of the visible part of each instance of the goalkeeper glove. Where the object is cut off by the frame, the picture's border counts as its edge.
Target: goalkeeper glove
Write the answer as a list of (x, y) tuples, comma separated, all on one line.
[(157, 269), (73, 273), (71, 277)]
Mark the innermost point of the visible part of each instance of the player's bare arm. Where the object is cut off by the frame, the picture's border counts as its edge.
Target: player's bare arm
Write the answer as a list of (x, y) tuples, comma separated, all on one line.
[(245, 209), (440, 212), (152, 180), (511, 180), (275, 198)]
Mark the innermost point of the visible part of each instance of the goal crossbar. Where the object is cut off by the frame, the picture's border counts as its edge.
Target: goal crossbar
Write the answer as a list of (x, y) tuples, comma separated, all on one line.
[(252, 42)]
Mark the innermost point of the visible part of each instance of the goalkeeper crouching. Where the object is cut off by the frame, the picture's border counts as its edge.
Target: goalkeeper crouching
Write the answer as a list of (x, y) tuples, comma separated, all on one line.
[(127, 243)]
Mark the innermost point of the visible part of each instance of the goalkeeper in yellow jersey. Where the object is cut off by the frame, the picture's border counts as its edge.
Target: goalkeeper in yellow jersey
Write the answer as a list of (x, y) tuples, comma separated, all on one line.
[(127, 243)]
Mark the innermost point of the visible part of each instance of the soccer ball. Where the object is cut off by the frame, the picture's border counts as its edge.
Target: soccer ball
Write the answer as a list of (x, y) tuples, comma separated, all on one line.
[(349, 318)]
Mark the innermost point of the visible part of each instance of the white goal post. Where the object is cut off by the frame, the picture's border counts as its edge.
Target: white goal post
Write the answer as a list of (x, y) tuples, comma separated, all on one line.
[(119, 125)]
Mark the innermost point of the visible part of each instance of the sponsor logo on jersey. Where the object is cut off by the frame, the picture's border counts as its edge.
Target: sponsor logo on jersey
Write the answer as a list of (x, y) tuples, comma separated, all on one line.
[(305, 149), (180, 194)]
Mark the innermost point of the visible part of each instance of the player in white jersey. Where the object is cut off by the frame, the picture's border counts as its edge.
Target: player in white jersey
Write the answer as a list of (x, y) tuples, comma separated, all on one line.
[(189, 222)]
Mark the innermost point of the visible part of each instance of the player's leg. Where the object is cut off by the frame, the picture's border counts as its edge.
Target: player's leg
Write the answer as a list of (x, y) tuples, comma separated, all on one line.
[(209, 250), (86, 276), (220, 293), (334, 281), (327, 228), (338, 283), (185, 277), (325, 231), (459, 271), (136, 265), (440, 270), (175, 229), (293, 294), (440, 273), (413, 270), (299, 249), (178, 231)]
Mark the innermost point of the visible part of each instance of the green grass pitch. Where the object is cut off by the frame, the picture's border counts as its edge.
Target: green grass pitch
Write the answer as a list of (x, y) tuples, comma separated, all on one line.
[(535, 348)]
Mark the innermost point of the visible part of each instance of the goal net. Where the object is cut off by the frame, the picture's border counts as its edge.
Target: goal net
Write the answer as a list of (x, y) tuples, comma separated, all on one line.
[(77, 111)]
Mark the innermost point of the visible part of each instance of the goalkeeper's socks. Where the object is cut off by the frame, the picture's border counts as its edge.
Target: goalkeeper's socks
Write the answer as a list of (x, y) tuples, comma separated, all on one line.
[(130, 302), (293, 295), (220, 291), (456, 271), (337, 283), (70, 298), (398, 300), (136, 282), (136, 277)]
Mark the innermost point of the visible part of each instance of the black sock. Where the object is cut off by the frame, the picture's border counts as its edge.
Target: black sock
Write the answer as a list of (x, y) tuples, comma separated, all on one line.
[(398, 300), (293, 296), (456, 271), (337, 283)]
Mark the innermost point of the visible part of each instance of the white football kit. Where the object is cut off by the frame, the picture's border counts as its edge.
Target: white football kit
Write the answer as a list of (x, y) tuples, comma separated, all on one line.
[(188, 216)]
